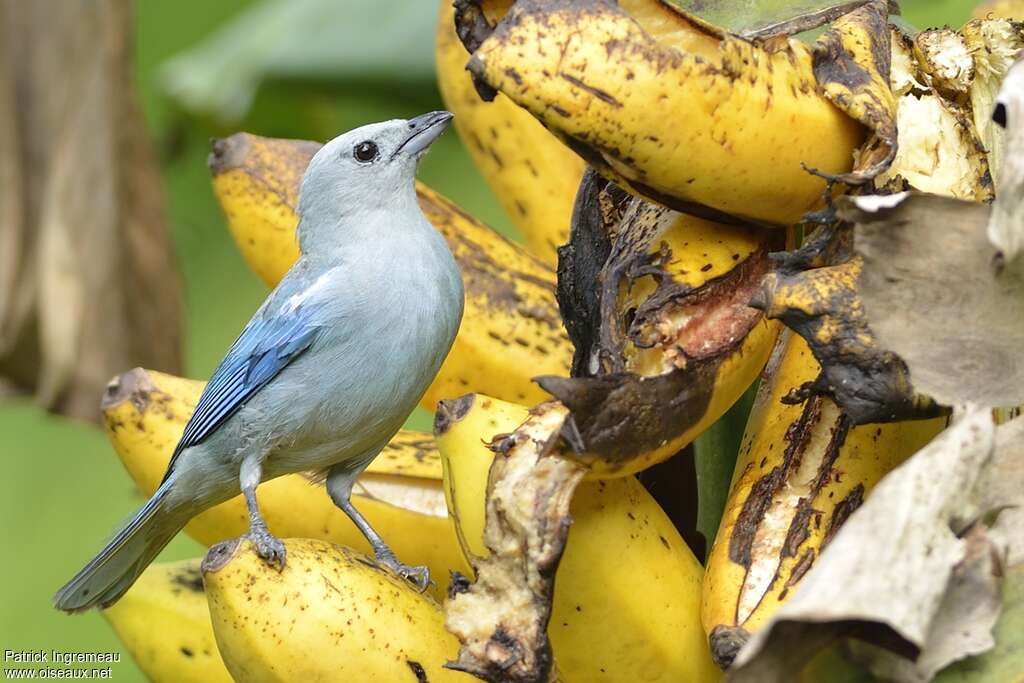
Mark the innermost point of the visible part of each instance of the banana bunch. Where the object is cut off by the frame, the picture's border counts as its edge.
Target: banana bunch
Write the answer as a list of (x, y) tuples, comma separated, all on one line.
[(704, 148), (145, 412), (511, 330), (533, 175), (802, 470)]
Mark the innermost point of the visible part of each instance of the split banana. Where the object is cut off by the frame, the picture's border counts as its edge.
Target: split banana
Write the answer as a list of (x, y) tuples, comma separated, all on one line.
[(400, 494), (802, 470), (511, 329), (330, 615), (665, 341), (599, 628), (531, 172), (164, 622), (663, 105)]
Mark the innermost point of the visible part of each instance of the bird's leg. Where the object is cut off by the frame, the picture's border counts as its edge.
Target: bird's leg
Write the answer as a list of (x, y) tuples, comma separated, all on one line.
[(339, 486), (268, 547)]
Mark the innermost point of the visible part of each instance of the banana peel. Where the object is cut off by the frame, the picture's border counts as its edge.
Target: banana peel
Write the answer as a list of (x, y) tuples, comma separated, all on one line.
[(656, 304), (501, 618), (869, 383), (510, 328), (595, 632)]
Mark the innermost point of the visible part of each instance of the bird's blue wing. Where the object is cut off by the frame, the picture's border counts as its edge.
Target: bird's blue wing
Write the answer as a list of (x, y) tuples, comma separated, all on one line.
[(267, 344)]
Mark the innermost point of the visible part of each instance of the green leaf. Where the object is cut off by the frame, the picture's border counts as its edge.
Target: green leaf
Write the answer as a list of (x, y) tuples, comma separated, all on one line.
[(389, 40), (759, 18), (715, 456)]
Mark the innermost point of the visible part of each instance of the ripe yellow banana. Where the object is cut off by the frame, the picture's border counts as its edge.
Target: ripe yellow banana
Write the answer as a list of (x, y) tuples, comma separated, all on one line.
[(164, 622), (145, 413), (331, 615), (703, 123), (626, 599), (511, 329), (802, 470), (531, 172), (671, 343)]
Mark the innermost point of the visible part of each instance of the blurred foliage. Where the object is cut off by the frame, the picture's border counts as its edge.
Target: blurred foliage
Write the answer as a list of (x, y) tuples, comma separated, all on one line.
[(62, 486)]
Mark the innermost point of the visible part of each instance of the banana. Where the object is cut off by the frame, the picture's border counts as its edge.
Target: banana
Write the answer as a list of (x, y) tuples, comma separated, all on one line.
[(511, 329), (400, 494), (802, 470), (626, 600), (669, 344), (533, 175), (704, 123), (330, 615), (164, 622)]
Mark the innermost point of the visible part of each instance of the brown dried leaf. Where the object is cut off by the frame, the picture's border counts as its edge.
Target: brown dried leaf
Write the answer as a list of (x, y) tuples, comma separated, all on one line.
[(903, 570), (931, 296)]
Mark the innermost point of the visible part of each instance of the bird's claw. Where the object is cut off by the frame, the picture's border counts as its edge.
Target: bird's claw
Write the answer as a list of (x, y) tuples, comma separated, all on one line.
[(418, 576), (270, 549)]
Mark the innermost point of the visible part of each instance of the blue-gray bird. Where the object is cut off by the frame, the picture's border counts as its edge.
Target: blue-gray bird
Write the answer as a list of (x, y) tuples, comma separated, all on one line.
[(329, 367)]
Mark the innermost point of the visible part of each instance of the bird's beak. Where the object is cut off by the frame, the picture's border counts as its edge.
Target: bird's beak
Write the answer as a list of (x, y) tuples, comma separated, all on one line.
[(423, 130)]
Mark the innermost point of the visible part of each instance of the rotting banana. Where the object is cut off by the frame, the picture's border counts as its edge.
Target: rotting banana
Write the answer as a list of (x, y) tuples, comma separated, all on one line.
[(511, 329), (533, 175), (164, 622), (946, 83), (330, 615), (662, 105), (400, 494), (665, 341), (802, 470), (612, 619)]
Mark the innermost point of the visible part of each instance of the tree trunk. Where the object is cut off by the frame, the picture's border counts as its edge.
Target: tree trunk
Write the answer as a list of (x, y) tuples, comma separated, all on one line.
[(88, 286)]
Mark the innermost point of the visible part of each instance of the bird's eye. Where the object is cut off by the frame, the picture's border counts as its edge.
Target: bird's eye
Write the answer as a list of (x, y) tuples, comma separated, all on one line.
[(365, 151), (999, 115)]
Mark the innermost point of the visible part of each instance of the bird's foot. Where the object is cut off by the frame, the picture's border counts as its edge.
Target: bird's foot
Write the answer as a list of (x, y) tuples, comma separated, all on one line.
[(270, 549), (417, 576)]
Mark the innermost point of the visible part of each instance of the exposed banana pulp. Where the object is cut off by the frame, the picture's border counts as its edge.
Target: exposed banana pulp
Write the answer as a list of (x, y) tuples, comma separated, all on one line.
[(644, 634)]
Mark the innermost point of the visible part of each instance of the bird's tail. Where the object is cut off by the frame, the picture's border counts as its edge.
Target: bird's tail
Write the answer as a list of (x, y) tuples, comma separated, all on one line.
[(113, 571)]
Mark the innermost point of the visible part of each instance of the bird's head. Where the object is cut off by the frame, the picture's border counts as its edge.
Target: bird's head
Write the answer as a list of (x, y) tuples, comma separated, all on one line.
[(367, 168)]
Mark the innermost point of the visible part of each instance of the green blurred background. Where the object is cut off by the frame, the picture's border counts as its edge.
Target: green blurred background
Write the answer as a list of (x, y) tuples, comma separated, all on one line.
[(62, 488)]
